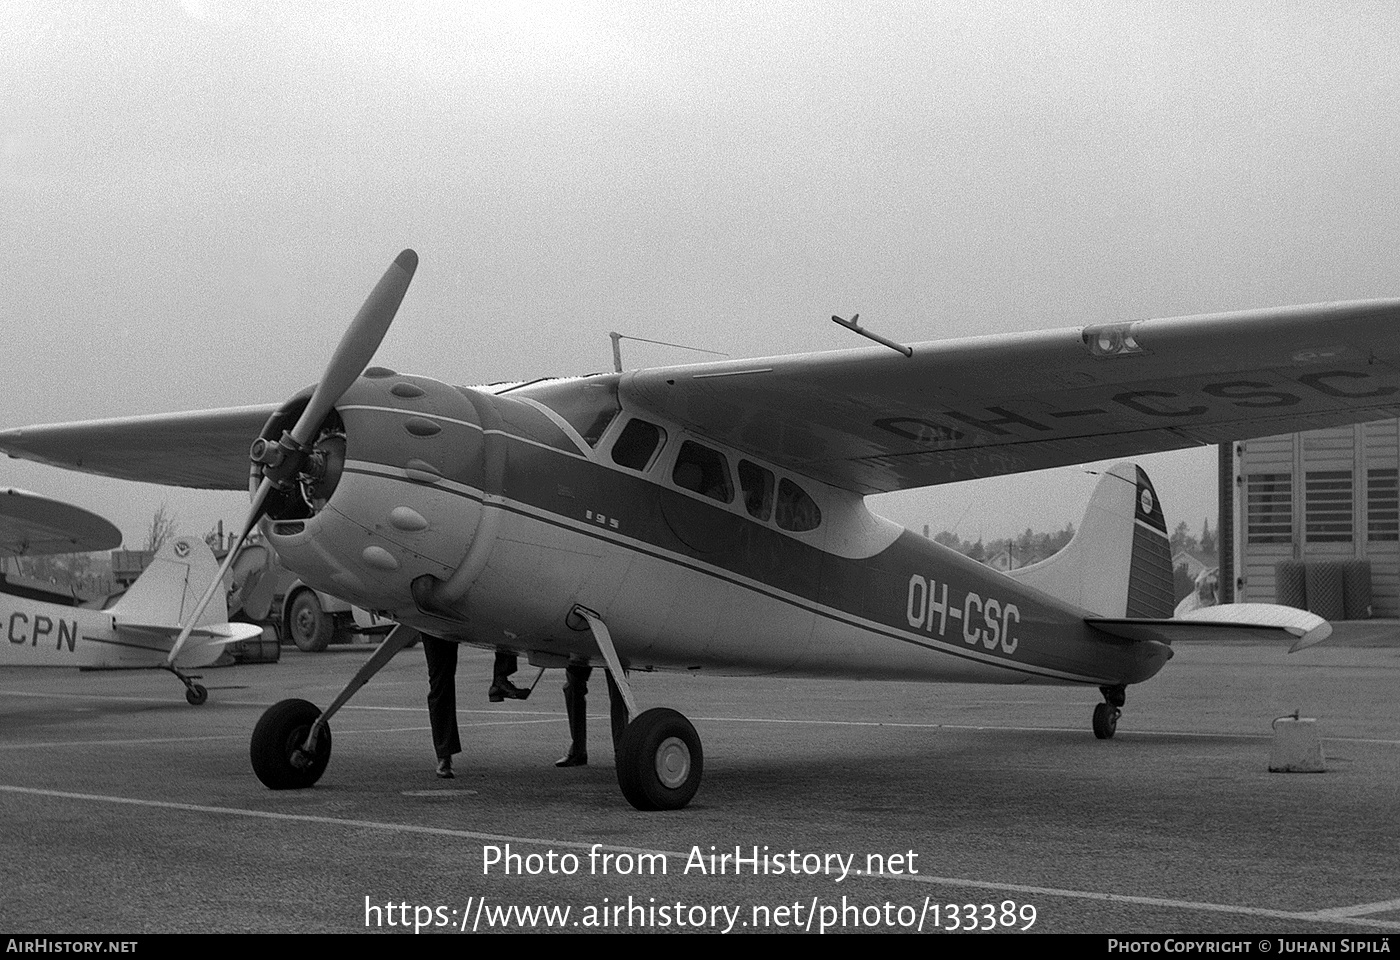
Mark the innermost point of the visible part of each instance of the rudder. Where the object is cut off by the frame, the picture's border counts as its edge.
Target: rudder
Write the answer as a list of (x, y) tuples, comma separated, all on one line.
[(1119, 562)]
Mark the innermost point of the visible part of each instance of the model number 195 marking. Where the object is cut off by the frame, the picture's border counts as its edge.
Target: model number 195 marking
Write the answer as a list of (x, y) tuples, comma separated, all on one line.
[(985, 620)]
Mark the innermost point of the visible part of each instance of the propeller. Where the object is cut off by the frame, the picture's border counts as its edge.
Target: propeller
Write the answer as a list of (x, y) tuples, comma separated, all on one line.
[(282, 461)]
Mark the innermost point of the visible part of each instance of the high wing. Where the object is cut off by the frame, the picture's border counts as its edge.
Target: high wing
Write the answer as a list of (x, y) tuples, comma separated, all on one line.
[(205, 449), (872, 420), (31, 525)]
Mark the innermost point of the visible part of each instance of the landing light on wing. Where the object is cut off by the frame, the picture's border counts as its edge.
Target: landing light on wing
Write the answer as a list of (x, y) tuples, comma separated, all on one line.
[(1112, 339)]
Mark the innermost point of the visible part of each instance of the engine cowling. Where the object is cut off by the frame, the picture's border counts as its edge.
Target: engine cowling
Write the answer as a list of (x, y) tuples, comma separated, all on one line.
[(390, 491)]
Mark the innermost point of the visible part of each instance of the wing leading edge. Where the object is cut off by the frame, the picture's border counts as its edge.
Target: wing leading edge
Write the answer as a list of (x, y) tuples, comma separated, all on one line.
[(872, 421), (205, 449)]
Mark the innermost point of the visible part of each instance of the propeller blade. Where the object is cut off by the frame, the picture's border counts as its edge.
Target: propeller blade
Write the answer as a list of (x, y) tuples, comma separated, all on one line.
[(359, 344), (356, 349)]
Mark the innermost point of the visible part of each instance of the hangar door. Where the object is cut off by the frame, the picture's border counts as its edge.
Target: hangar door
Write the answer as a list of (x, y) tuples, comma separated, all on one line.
[(1321, 495)]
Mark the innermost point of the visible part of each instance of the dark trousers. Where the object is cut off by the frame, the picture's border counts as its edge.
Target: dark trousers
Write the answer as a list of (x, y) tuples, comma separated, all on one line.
[(576, 706), (442, 695), (506, 664)]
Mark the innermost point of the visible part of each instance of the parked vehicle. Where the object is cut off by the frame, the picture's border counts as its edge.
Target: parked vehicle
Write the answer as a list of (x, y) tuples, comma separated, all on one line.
[(263, 591)]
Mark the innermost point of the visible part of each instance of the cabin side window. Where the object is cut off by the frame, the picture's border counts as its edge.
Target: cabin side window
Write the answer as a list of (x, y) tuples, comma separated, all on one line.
[(756, 484), (637, 445), (796, 511), (703, 471)]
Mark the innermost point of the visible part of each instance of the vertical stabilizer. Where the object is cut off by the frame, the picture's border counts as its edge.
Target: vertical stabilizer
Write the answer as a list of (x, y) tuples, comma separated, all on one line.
[(170, 587), (1119, 562)]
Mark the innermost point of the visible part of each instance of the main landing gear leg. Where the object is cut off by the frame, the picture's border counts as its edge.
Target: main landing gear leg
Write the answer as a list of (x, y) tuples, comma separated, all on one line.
[(1107, 713), (659, 758), (292, 741), (194, 692)]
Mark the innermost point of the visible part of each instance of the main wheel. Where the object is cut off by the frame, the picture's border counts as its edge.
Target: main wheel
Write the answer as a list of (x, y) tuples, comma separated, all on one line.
[(310, 626), (196, 695), (659, 761), (1106, 721), (276, 749)]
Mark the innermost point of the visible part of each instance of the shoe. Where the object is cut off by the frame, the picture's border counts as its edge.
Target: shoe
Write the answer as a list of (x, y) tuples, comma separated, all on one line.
[(572, 759), (505, 690), (444, 769)]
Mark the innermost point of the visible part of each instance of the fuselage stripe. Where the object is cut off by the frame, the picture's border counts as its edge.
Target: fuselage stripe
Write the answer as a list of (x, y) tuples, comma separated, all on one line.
[(831, 613)]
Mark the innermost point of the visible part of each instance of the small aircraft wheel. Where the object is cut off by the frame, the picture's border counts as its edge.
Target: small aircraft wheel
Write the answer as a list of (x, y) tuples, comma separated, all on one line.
[(196, 694), (310, 626), (1106, 721), (659, 761), (277, 751)]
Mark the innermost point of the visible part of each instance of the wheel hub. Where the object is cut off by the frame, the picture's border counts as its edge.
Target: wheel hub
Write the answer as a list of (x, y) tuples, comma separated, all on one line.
[(672, 762), (297, 754)]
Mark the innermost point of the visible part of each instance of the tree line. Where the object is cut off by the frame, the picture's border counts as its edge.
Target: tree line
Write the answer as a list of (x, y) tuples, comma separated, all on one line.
[(1027, 548), (1032, 547)]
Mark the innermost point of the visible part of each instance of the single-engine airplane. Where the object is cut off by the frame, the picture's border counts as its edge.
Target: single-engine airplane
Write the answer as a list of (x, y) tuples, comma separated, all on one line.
[(711, 517), (138, 630)]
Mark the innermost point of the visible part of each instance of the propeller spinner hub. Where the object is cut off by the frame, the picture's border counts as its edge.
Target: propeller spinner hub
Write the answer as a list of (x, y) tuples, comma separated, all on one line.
[(281, 462)]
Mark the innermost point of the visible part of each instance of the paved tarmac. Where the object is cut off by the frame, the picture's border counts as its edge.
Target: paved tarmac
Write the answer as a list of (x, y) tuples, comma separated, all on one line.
[(125, 810)]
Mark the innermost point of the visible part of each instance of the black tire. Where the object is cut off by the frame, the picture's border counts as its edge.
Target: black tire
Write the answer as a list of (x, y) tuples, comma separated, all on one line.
[(277, 742), (1105, 721), (196, 695), (659, 761), (310, 627)]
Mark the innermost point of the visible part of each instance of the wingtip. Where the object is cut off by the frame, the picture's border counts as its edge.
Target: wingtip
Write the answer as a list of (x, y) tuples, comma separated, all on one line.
[(408, 261), (1312, 637)]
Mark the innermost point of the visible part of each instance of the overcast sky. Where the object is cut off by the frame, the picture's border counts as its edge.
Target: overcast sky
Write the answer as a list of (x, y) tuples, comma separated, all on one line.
[(197, 196)]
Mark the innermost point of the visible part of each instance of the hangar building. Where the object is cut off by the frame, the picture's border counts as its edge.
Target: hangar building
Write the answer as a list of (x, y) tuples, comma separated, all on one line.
[(1304, 504)]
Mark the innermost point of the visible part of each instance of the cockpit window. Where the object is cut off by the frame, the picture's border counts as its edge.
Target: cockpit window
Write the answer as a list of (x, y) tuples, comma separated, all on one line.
[(636, 446), (756, 483), (704, 471), (796, 511), (588, 405)]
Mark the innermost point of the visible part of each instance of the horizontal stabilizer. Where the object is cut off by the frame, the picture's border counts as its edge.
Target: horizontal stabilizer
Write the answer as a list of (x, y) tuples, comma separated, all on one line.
[(202, 646), (209, 635), (1230, 621)]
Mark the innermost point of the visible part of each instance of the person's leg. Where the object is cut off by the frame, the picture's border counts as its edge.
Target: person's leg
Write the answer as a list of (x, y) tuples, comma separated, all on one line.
[(501, 687), (442, 700), (576, 706)]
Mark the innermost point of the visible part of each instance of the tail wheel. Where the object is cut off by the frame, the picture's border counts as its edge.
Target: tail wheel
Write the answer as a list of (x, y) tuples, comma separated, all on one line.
[(277, 750), (659, 761), (1106, 721)]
